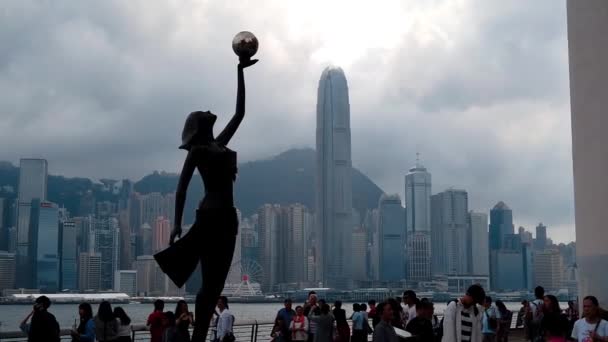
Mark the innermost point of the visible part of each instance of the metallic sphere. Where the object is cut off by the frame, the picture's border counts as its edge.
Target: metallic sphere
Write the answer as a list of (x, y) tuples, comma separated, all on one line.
[(245, 44)]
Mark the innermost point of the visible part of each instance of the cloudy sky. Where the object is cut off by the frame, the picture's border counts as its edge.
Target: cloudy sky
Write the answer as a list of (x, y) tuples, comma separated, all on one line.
[(478, 87)]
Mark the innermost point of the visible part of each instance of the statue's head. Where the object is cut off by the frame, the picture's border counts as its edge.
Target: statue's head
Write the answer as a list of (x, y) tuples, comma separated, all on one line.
[(198, 129)]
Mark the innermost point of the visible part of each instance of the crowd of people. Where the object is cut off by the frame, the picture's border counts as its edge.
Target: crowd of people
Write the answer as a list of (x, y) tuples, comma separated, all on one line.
[(544, 320), (474, 317), (115, 325)]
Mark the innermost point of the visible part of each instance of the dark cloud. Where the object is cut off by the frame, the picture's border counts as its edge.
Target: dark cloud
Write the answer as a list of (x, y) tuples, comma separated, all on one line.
[(480, 88)]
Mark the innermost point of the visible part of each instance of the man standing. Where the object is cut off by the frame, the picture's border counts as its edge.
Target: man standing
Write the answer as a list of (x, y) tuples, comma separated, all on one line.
[(44, 326), (285, 315), (384, 331), (489, 321), (409, 309), (155, 321), (420, 326), (462, 319), (535, 314)]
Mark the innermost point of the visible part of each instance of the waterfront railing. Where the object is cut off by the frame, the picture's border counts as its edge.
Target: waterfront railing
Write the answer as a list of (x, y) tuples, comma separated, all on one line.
[(252, 331)]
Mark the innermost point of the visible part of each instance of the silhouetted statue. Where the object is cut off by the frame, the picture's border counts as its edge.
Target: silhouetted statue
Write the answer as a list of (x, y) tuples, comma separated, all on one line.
[(212, 238)]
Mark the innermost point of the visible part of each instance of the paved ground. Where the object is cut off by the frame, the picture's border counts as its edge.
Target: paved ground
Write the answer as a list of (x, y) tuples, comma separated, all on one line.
[(517, 336)]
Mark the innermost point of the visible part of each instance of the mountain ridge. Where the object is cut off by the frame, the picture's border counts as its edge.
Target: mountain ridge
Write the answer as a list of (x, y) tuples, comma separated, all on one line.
[(285, 178)]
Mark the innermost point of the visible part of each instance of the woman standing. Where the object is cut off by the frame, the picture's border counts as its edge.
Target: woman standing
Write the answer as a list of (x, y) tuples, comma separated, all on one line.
[(504, 323), (341, 323), (325, 325), (554, 324), (124, 327), (299, 326), (86, 329), (184, 320), (106, 324)]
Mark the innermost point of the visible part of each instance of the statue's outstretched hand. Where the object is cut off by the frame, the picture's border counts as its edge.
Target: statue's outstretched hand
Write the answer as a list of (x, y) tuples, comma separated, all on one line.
[(245, 63), (177, 232)]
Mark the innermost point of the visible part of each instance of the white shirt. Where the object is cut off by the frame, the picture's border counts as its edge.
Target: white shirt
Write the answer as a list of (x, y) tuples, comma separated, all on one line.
[(224, 324), (124, 330), (411, 313), (582, 330)]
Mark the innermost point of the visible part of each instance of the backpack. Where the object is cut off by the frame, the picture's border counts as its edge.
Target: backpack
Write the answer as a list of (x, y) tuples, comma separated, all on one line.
[(537, 313)]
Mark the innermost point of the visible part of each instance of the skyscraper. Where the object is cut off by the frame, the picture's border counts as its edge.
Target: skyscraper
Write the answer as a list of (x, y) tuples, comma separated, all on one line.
[(32, 185), (391, 239), (268, 222), (501, 224), (89, 271), (68, 260), (333, 180), (588, 59), (107, 244), (359, 254), (7, 270), (450, 232), (418, 222), (32, 179), (540, 243), (480, 254), (548, 269), (44, 245), (4, 234), (296, 244)]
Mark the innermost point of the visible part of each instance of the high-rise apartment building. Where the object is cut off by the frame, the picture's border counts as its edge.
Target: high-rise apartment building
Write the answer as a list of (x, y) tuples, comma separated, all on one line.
[(450, 232), (418, 223), (161, 234), (391, 239), (333, 181)]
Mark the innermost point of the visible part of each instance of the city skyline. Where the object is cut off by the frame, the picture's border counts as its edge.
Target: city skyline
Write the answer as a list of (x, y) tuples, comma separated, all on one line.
[(496, 123)]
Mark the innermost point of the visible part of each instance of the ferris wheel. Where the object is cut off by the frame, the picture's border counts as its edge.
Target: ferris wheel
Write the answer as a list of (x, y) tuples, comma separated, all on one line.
[(251, 274)]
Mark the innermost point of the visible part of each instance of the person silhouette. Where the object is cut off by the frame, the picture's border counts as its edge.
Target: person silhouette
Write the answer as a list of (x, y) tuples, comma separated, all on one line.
[(212, 238)]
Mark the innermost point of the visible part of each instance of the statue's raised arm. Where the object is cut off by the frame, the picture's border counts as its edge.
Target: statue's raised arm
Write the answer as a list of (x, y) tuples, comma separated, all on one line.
[(224, 137)]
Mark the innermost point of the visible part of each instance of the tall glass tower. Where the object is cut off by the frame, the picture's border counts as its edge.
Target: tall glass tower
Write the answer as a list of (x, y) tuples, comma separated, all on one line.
[(32, 186), (418, 223), (333, 180)]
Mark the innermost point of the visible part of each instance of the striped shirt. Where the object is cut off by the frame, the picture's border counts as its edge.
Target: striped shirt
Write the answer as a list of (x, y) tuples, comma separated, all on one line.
[(467, 324)]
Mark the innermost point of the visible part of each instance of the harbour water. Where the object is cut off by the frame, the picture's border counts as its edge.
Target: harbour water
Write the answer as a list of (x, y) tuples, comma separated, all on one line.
[(67, 314)]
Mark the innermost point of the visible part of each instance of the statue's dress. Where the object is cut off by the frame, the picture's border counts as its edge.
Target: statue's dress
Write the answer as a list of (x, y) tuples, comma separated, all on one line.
[(212, 237)]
